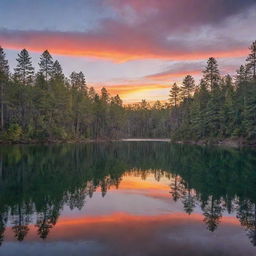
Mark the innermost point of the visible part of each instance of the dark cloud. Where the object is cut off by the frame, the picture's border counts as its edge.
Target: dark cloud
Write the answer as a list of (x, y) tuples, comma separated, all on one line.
[(183, 13), (182, 69), (178, 69), (161, 29)]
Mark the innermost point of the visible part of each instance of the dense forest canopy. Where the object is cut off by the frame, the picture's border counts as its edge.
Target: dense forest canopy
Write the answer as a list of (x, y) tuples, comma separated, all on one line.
[(47, 106)]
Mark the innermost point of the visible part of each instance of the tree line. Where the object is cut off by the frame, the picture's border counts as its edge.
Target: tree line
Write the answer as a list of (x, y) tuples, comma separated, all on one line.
[(219, 107), (46, 105)]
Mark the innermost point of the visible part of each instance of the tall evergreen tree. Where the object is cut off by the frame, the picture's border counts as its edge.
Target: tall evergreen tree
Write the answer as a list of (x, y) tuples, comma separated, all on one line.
[(203, 98), (241, 75), (82, 81), (46, 65), (92, 93), (174, 96), (4, 67), (211, 74), (78, 81), (227, 113), (104, 95), (4, 73), (188, 87), (251, 60), (24, 70), (116, 100), (57, 71)]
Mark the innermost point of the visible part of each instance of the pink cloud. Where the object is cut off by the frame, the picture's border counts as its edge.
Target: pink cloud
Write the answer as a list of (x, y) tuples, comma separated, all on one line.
[(119, 43)]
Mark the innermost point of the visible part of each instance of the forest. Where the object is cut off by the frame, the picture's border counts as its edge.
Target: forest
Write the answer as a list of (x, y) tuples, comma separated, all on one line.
[(47, 106)]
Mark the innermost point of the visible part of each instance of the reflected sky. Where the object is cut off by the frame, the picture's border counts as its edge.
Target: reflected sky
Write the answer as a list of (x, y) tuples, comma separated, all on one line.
[(103, 199), (137, 218)]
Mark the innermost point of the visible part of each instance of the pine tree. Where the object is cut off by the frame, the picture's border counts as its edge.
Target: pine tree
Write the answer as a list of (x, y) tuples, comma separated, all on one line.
[(57, 71), (174, 96), (227, 113), (82, 81), (211, 77), (78, 81), (211, 74), (116, 100), (91, 93), (4, 67), (104, 95), (46, 65), (251, 60), (24, 71), (249, 112), (240, 75), (157, 105), (198, 114), (73, 80), (4, 73), (248, 73), (188, 87)]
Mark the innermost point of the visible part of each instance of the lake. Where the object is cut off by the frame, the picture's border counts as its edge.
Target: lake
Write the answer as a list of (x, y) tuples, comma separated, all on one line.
[(127, 198)]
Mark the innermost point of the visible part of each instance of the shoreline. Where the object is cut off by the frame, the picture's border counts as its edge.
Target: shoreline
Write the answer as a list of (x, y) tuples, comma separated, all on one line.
[(81, 141), (229, 143)]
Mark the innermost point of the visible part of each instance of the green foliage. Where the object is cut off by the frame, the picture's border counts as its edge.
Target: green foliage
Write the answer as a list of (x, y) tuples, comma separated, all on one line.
[(13, 133), (46, 65), (24, 70), (174, 96), (220, 107), (251, 60), (188, 87), (50, 107)]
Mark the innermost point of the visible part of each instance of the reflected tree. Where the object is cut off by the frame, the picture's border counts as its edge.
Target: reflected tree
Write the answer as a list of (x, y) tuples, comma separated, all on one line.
[(189, 201), (20, 223), (77, 199), (219, 180), (212, 212), (3, 221), (46, 220), (246, 213), (176, 188)]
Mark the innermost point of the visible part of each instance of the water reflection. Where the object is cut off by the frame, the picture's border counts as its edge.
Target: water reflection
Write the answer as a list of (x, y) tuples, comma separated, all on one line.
[(40, 184)]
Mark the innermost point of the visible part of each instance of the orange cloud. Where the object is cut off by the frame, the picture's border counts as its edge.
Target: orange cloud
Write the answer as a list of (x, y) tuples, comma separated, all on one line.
[(126, 234), (68, 227), (149, 187), (145, 185), (124, 89), (122, 217), (116, 45), (134, 92)]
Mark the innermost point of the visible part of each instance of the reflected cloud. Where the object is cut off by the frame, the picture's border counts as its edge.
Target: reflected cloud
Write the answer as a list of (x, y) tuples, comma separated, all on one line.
[(102, 195)]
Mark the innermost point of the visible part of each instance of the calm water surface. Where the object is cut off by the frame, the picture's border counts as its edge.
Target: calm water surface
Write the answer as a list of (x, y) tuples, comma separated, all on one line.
[(127, 198)]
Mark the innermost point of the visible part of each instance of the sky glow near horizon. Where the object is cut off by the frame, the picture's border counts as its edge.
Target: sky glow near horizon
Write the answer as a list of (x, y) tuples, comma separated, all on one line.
[(136, 48)]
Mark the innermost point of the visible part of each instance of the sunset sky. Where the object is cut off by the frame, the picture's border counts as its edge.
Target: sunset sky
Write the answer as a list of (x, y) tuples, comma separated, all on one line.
[(136, 48)]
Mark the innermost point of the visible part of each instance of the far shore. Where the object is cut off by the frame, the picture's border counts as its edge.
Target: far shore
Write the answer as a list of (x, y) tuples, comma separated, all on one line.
[(228, 143)]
